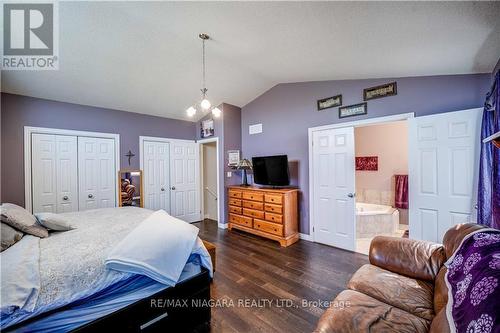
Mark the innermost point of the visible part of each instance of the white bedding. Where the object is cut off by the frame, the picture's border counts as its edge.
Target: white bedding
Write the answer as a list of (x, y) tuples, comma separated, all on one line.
[(72, 263)]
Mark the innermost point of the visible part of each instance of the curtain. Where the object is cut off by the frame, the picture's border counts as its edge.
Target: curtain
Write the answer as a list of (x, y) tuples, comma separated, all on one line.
[(489, 170)]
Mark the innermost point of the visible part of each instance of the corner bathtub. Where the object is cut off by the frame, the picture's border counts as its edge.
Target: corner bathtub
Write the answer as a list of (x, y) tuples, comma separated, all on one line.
[(373, 219)]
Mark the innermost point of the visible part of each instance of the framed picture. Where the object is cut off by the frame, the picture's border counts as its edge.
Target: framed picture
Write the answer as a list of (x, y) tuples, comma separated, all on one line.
[(329, 102), (368, 163), (207, 128), (388, 89), (352, 110), (233, 158)]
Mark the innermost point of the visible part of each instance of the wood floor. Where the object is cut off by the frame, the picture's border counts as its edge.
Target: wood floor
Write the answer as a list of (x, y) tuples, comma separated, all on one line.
[(251, 269)]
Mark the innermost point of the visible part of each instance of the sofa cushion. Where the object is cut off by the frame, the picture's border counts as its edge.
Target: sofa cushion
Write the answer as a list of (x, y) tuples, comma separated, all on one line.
[(412, 295), (352, 311), (416, 259)]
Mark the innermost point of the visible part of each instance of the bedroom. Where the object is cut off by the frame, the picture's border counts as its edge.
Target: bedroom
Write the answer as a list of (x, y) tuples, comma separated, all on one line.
[(100, 129)]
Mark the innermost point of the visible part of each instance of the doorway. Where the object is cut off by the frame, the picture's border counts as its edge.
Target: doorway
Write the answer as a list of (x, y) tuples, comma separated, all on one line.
[(209, 166), (209, 170), (381, 177), (442, 175)]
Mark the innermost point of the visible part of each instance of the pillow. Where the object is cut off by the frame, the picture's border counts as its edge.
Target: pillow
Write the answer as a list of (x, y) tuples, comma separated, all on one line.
[(10, 236), (53, 221), (19, 218)]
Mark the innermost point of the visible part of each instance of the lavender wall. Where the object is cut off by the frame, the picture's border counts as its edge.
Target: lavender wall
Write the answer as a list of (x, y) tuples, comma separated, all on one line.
[(288, 110), (19, 111), (228, 129)]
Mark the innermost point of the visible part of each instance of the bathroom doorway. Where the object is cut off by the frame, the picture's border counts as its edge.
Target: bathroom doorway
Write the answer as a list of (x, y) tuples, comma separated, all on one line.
[(381, 178)]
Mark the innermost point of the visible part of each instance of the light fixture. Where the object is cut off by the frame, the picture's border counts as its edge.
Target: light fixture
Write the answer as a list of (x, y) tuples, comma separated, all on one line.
[(205, 103)]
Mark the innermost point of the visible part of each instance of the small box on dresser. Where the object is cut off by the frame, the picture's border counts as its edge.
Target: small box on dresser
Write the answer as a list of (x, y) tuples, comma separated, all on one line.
[(266, 212)]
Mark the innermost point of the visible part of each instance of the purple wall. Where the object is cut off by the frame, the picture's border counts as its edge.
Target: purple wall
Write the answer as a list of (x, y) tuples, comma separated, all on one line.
[(288, 110), (228, 129), (19, 111)]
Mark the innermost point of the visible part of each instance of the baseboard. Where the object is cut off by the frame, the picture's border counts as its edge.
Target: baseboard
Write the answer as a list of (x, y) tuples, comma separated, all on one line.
[(306, 237), (222, 225)]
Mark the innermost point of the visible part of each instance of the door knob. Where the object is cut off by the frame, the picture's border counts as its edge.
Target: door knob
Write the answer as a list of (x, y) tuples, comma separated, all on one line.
[(90, 196), (351, 195), (65, 198), (162, 189), (173, 188)]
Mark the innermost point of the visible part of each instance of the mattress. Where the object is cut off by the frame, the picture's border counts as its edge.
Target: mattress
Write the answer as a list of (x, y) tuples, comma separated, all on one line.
[(67, 269), (107, 301)]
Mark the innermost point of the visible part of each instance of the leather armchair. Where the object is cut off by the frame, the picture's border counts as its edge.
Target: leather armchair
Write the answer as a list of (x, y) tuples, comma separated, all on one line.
[(401, 290)]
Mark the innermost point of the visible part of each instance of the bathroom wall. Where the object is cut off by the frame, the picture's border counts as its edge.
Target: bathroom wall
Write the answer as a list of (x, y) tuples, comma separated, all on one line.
[(390, 143)]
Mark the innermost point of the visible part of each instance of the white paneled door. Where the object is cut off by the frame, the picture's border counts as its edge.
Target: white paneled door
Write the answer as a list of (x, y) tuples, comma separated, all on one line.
[(156, 165), (333, 187), (443, 167), (54, 173), (185, 180), (96, 173)]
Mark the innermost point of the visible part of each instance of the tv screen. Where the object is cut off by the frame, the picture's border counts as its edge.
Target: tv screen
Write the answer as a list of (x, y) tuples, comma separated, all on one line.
[(271, 170)]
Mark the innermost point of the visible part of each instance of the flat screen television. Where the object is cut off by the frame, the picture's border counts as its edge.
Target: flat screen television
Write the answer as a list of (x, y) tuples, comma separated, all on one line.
[(271, 170)]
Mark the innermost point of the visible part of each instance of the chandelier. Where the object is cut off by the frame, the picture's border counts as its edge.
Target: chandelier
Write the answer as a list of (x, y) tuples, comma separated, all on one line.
[(205, 104)]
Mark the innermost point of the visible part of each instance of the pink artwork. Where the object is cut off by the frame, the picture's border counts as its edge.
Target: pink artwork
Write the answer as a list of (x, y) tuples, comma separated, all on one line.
[(368, 163)]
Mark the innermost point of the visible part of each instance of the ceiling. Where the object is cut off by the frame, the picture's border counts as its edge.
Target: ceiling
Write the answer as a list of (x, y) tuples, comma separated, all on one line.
[(146, 56)]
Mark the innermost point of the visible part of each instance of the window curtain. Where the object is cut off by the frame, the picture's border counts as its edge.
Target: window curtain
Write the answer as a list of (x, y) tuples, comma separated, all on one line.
[(489, 170)]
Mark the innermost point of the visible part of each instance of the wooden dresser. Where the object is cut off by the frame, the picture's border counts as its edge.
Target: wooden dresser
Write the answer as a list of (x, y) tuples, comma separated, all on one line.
[(270, 213)]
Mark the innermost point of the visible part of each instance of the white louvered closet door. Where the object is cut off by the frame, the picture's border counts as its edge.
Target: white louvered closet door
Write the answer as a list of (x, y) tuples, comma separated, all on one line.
[(96, 173), (54, 173)]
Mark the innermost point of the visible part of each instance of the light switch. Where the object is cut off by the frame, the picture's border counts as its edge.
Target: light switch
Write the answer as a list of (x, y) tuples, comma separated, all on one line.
[(229, 174)]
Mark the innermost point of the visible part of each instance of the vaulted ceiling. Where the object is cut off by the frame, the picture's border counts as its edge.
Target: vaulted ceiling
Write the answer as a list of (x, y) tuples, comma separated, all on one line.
[(146, 57)]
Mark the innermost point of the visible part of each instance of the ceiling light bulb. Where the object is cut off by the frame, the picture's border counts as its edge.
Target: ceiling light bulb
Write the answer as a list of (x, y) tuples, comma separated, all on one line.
[(205, 104), (191, 111), (216, 112)]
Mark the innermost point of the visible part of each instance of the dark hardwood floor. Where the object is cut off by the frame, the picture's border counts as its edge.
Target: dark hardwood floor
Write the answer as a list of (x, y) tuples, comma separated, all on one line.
[(253, 269)]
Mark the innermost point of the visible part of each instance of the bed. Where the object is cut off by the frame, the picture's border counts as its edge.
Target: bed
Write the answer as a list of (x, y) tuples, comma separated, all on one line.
[(67, 281)]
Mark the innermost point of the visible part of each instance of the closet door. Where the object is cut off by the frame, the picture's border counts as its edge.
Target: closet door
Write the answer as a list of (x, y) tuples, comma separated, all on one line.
[(156, 175), (185, 181), (66, 173), (54, 173), (43, 173), (97, 179)]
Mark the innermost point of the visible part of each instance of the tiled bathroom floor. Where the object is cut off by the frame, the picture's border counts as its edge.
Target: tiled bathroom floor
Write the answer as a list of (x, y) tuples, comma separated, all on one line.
[(363, 244)]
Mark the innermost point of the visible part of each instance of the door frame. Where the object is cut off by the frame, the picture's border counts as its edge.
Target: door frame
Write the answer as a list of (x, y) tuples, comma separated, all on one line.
[(202, 190), (356, 123), (28, 130), (163, 140)]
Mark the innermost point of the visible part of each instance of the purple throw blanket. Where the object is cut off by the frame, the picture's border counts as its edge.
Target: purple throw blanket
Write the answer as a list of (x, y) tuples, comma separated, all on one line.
[(473, 281)]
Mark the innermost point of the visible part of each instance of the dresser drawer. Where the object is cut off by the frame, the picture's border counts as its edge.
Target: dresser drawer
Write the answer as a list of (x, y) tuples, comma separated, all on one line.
[(254, 196), (235, 202), (272, 228), (274, 198), (243, 220), (253, 213), (278, 209), (276, 218), (235, 210), (235, 194), (253, 205)]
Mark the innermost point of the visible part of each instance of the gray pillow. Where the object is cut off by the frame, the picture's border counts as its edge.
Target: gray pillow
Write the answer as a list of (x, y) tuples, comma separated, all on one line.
[(19, 218), (53, 221), (10, 236)]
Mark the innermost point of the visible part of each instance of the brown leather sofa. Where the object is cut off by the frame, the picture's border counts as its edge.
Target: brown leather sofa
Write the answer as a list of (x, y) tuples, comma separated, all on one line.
[(401, 290)]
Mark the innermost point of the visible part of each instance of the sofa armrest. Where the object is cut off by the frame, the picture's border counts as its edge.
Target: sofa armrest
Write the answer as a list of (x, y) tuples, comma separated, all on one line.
[(416, 259)]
